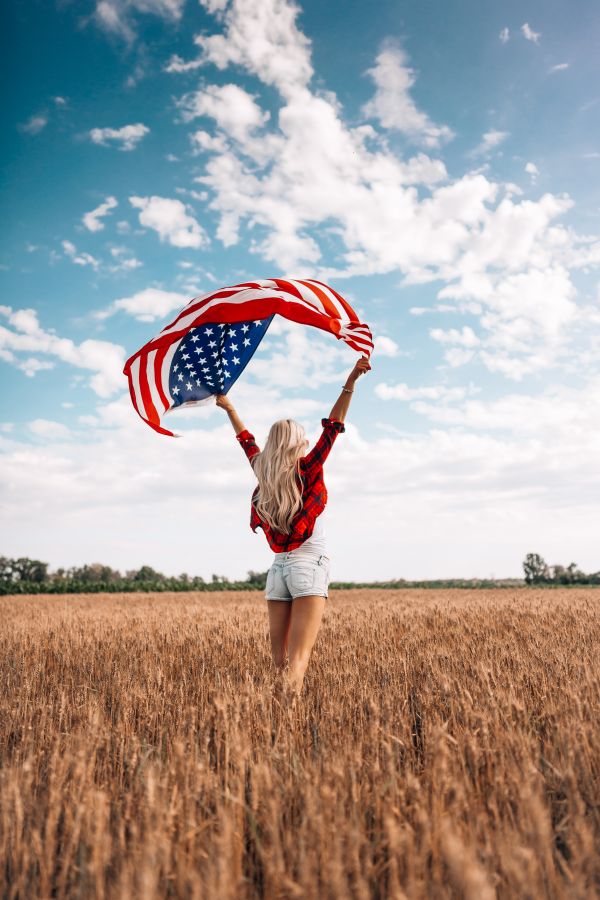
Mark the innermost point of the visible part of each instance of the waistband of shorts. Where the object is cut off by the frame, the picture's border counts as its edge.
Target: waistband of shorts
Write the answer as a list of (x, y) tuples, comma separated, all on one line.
[(288, 556)]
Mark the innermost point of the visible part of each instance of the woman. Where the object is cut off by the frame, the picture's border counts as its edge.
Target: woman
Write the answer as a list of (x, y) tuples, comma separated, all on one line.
[(288, 504)]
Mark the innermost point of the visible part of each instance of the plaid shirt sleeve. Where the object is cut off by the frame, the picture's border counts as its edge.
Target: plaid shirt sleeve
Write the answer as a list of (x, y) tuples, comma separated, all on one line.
[(249, 445), (320, 452)]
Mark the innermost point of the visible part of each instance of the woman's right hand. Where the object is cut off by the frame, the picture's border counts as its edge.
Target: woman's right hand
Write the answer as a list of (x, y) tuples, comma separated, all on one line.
[(223, 401), (362, 365)]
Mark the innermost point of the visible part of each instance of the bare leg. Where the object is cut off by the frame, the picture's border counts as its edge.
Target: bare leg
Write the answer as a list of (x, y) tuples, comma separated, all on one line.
[(280, 616), (307, 613)]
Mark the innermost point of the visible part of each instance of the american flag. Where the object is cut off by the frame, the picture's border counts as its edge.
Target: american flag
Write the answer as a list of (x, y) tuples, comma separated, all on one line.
[(204, 350)]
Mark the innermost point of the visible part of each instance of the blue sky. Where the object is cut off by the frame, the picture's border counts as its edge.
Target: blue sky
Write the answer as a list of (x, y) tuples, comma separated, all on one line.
[(438, 164)]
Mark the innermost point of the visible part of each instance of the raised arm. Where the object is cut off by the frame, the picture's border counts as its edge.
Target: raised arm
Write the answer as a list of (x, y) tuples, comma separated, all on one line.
[(245, 438), (334, 425), (223, 401), (341, 405)]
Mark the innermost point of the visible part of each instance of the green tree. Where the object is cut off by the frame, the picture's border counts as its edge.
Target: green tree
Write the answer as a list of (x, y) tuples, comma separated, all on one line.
[(25, 569), (535, 568), (145, 573)]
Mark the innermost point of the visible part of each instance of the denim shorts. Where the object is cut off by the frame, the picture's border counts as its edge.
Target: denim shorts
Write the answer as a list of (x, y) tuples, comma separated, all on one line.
[(291, 577)]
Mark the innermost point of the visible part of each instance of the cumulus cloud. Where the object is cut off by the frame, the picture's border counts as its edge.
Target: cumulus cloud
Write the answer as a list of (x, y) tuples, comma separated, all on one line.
[(34, 124), (489, 141), (504, 35), (465, 337), (146, 305), (532, 170), (386, 213), (123, 262), (80, 259), (103, 358), (234, 110), (91, 219), (433, 392), (560, 67), (126, 138), (392, 104), (118, 17), (170, 219), (529, 34), (385, 346), (49, 430), (260, 36)]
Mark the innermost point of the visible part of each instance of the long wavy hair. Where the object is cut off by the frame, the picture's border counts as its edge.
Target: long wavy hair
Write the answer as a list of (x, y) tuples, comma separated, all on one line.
[(277, 468)]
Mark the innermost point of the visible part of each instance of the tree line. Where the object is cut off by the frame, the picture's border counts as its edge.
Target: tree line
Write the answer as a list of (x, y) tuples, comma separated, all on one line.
[(537, 571), (27, 576), (32, 576)]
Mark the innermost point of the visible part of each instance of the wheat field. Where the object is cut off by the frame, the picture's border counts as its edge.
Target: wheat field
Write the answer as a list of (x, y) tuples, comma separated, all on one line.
[(446, 745)]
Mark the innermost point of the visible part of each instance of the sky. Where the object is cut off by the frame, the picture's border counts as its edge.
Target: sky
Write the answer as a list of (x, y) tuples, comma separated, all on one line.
[(438, 164)]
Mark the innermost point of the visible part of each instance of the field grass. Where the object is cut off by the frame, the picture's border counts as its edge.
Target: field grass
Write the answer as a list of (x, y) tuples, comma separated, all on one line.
[(446, 745)]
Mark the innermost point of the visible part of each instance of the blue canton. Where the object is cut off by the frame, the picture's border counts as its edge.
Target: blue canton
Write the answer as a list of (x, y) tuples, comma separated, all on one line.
[(211, 357)]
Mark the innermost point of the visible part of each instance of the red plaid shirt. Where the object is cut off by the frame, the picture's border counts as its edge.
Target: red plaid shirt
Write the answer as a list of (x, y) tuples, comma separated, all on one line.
[(314, 492)]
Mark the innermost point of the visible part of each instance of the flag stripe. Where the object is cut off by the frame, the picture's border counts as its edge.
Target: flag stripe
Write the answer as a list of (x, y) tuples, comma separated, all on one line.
[(151, 410), (153, 382), (328, 306)]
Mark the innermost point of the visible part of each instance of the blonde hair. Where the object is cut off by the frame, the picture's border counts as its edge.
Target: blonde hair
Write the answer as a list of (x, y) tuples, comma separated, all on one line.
[(279, 495)]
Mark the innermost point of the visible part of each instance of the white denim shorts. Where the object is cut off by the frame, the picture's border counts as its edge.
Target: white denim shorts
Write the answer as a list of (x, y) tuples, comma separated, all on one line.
[(290, 577)]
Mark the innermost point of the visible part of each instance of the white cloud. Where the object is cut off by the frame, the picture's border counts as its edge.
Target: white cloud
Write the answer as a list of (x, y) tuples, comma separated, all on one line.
[(126, 138), (49, 430), (170, 220), (504, 35), (260, 36), (35, 124), (532, 170), (530, 34), (489, 141), (392, 104), (104, 359), (234, 110), (124, 263), (404, 392), (80, 259), (476, 236), (147, 305), (202, 140), (60, 101), (118, 16), (560, 67), (466, 337), (556, 411), (385, 346), (31, 365), (91, 219)]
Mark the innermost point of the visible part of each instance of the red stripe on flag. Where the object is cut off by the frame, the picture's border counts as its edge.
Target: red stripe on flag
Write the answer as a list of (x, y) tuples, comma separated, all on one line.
[(331, 309), (149, 406), (349, 311), (288, 286)]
